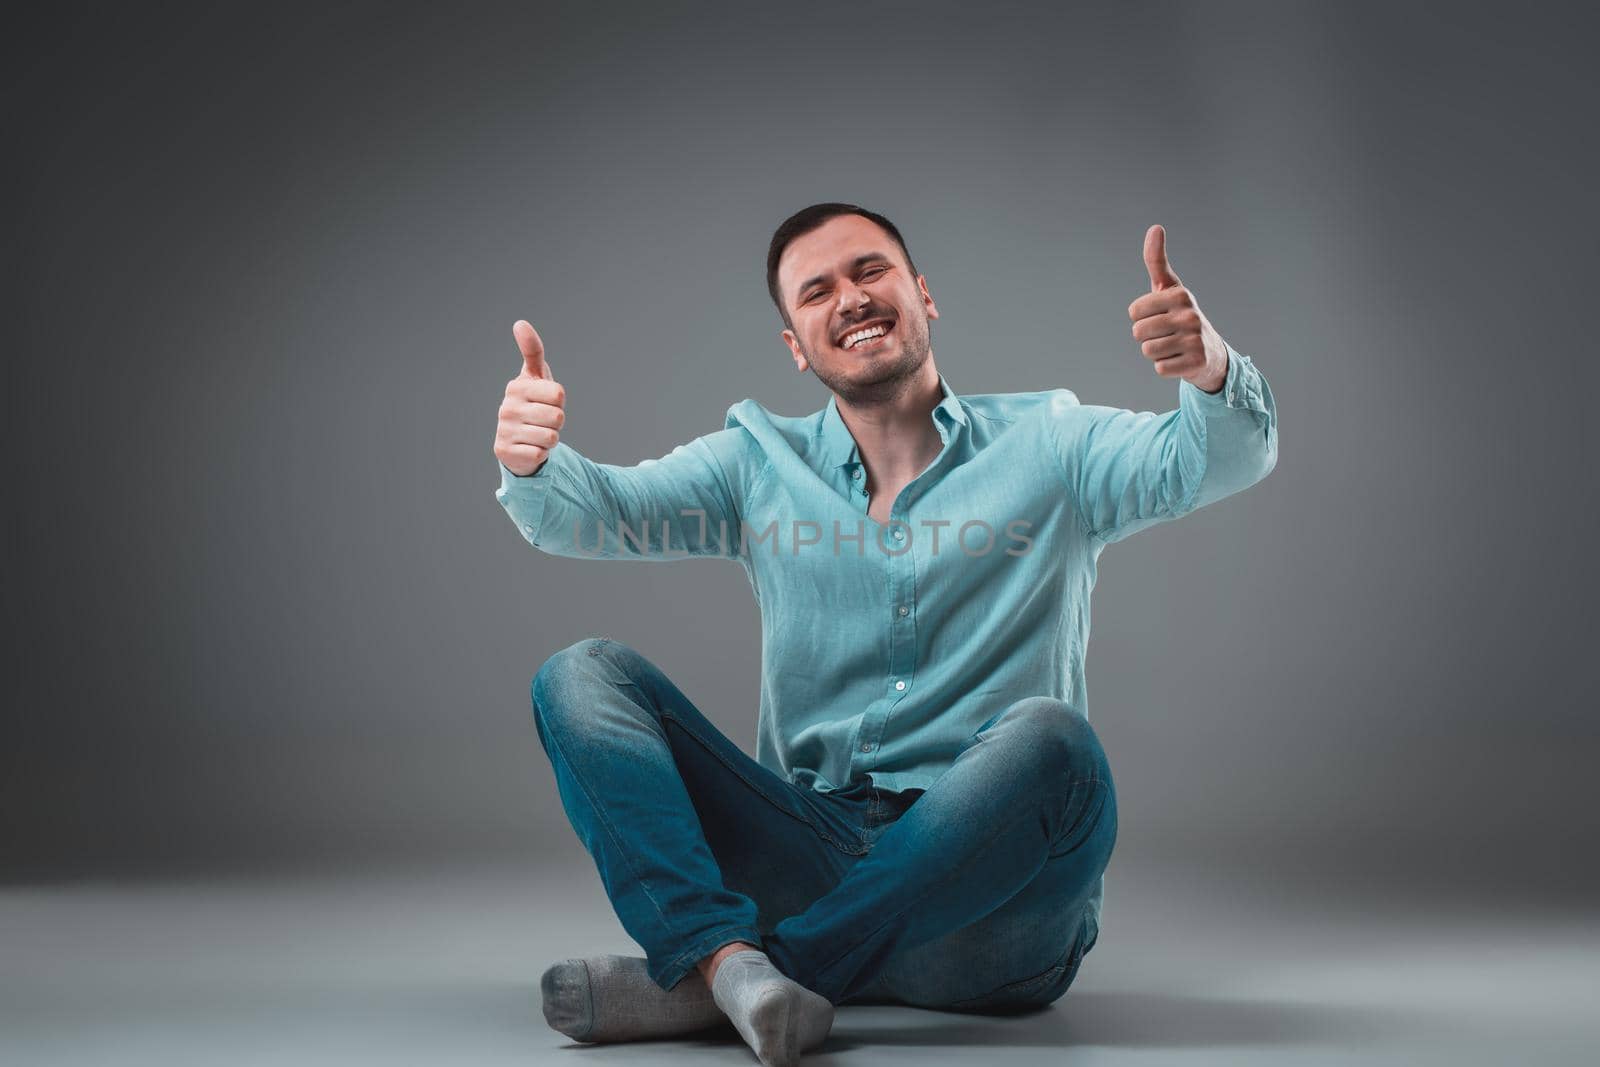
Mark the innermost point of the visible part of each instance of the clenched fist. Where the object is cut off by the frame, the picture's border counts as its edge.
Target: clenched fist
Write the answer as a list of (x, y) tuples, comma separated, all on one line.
[(534, 410), (1173, 331)]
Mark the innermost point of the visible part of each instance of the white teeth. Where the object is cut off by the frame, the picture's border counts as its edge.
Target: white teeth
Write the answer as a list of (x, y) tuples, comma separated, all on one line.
[(863, 335)]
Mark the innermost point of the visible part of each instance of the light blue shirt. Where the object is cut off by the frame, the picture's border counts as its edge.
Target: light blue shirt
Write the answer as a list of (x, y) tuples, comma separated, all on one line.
[(886, 646)]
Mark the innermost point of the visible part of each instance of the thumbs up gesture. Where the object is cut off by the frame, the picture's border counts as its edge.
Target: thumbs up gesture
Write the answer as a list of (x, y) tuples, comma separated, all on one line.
[(1173, 332), (534, 410)]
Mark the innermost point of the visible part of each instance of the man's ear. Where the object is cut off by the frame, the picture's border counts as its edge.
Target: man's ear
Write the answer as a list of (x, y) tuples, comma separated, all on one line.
[(927, 300), (793, 342)]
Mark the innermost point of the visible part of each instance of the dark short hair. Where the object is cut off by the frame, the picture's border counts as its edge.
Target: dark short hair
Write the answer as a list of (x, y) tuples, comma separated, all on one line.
[(803, 222)]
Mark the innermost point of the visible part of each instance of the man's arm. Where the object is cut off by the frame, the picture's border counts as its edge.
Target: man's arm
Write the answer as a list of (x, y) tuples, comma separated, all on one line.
[(566, 504), (678, 506), (1127, 470)]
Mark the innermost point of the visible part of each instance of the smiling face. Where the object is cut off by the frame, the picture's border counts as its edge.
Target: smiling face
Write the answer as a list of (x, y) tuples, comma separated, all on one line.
[(859, 318)]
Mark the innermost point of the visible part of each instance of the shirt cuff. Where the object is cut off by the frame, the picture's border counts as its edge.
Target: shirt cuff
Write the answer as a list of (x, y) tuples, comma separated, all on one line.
[(523, 496), (510, 481), (1240, 390)]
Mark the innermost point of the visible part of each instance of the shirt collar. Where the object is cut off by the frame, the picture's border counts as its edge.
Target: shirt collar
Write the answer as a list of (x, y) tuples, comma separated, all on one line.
[(839, 448)]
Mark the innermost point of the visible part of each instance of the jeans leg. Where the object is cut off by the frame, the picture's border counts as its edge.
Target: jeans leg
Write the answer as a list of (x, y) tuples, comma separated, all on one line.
[(1024, 954), (648, 783), (1031, 788)]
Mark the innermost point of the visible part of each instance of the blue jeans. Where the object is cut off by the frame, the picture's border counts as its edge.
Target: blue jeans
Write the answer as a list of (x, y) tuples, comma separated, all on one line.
[(970, 896)]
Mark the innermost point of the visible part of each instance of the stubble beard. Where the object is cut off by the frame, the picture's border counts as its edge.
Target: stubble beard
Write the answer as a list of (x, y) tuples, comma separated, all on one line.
[(890, 375)]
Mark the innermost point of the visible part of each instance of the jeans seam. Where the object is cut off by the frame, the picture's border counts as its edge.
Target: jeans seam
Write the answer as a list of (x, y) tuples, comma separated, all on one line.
[(616, 839)]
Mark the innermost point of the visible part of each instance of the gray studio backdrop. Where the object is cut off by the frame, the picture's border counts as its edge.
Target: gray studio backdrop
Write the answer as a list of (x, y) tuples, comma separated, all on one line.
[(265, 612)]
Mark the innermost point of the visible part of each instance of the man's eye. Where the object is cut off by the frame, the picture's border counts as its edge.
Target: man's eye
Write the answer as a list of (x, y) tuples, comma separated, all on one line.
[(873, 270)]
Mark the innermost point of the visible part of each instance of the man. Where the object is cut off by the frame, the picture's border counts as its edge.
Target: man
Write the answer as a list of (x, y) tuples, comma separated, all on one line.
[(929, 815)]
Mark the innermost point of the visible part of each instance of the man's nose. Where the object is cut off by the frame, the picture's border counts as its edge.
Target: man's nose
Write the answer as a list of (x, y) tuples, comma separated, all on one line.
[(851, 297)]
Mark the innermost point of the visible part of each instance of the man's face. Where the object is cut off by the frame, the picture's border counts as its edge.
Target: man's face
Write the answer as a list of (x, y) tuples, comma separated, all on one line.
[(846, 276)]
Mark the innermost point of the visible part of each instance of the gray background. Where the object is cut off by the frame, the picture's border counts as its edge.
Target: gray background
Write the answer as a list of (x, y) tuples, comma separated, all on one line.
[(268, 620)]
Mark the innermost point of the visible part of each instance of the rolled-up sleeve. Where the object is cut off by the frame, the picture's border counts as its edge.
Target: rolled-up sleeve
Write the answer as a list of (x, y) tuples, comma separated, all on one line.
[(681, 505), (1126, 470)]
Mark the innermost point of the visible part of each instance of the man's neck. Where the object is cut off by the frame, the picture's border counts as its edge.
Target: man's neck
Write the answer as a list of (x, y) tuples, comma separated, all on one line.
[(896, 436)]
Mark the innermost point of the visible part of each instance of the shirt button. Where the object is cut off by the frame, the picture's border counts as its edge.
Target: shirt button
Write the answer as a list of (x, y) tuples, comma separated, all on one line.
[(866, 746), (899, 685), (904, 611), (857, 474), (899, 534), (528, 526)]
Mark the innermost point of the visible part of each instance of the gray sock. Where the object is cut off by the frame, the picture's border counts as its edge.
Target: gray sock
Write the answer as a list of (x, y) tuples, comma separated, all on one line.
[(613, 998), (777, 1017)]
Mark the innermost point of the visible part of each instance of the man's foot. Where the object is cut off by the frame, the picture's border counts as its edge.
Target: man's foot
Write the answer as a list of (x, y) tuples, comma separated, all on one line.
[(613, 998), (777, 1017)]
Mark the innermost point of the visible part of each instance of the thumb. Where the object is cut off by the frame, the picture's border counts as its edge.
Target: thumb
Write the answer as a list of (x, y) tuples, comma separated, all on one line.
[(533, 364), (1155, 260)]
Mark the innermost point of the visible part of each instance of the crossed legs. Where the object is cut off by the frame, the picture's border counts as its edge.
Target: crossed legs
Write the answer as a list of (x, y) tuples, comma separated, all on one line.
[(979, 896)]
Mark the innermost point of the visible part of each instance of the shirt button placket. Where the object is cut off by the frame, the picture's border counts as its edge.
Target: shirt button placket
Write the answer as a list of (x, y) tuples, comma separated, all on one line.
[(902, 656)]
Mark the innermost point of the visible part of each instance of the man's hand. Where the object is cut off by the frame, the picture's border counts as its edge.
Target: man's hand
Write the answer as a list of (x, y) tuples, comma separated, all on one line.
[(1172, 330), (533, 412)]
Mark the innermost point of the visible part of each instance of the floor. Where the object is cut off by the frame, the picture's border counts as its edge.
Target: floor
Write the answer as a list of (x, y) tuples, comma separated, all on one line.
[(442, 968)]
